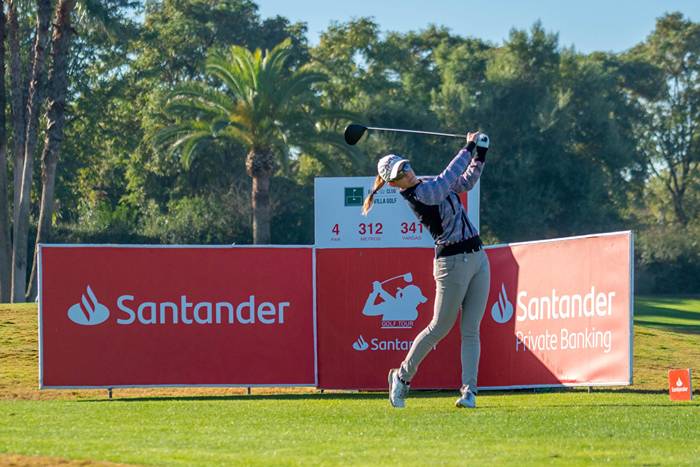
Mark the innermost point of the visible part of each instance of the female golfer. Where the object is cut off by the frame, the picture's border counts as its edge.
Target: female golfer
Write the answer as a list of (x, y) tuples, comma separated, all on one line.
[(461, 268)]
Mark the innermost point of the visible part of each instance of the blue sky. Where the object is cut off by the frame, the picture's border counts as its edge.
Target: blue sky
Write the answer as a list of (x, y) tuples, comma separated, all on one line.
[(612, 25)]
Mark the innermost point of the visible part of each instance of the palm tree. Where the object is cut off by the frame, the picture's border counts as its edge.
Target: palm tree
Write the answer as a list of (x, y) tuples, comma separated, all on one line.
[(57, 89), (24, 156), (31, 93), (5, 256), (262, 103)]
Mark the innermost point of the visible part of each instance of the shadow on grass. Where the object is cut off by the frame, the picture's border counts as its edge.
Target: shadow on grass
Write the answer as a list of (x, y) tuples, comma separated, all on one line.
[(657, 311), (681, 329), (492, 405), (277, 397), (419, 394), (668, 299)]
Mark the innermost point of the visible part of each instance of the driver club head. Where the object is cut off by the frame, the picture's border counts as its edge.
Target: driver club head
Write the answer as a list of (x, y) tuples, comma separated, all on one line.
[(408, 277), (353, 133)]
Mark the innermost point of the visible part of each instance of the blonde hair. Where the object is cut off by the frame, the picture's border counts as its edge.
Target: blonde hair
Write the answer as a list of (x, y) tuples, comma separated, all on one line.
[(367, 205)]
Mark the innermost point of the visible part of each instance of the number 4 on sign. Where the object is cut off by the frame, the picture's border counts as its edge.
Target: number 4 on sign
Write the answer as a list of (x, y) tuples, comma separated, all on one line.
[(336, 229)]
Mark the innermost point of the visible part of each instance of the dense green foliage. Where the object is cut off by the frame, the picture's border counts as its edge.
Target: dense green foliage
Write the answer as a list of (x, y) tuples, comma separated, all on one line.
[(582, 143), (259, 103)]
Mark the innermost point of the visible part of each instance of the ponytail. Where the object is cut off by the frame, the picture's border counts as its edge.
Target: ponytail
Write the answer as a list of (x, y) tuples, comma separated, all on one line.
[(367, 205)]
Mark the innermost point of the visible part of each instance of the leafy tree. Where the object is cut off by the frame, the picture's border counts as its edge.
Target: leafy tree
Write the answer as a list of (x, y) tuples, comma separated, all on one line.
[(117, 164), (263, 104), (39, 84), (551, 114), (178, 35), (387, 82), (581, 142), (669, 133)]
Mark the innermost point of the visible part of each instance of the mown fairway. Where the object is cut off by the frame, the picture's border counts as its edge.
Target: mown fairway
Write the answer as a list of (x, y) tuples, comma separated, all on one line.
[(337, 429), (637, 425)]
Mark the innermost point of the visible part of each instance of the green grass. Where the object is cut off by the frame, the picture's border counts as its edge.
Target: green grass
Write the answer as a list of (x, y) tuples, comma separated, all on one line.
[(636, 425), (569, 428), (668, 312)]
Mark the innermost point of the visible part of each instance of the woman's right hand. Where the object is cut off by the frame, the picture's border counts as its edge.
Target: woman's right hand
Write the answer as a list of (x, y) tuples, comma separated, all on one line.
[(471, 137)]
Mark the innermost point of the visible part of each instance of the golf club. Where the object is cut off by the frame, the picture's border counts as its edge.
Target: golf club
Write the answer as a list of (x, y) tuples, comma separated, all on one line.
[(354, 132), (408, 277)]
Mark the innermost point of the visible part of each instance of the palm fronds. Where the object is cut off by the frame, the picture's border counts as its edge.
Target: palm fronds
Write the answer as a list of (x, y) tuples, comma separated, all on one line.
[(259, 102)]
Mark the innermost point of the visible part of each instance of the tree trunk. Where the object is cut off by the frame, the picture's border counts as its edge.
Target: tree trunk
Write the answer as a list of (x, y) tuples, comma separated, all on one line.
[(5, 266), (48, 177), (678, 208), (55, 116), (17, 103), (260, 165), (4, 211), (261, 209), (36, 85)]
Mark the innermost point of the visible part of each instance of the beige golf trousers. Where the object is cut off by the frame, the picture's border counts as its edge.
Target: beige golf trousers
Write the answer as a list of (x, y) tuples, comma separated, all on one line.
[(460, 281)]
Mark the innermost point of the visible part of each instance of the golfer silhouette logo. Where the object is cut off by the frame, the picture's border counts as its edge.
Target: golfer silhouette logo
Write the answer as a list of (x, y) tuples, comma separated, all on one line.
[(398, 310), (89, 311)]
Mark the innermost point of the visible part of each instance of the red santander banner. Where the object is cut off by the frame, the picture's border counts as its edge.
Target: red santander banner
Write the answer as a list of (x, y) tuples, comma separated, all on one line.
[(559, 313), (371, 304), (192, 316)]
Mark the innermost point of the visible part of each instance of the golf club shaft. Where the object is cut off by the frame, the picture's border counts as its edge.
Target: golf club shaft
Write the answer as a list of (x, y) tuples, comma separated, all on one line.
[(416, 131), (392, 278)]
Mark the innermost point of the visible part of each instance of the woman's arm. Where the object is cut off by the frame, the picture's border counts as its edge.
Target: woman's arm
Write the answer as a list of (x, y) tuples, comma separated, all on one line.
[(469, 178), (436, 190)]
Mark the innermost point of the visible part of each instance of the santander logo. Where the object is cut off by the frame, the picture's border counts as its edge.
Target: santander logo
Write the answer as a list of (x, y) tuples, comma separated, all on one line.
[(89, 311), (502, 310), (360, 344), (129, 310)]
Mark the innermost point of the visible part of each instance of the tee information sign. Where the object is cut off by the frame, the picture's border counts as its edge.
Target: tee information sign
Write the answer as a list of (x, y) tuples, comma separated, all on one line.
[(339, 222)]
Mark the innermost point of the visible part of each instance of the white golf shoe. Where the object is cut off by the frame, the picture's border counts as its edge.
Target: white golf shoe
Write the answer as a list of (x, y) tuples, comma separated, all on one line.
[(467, 399), (397, 389)]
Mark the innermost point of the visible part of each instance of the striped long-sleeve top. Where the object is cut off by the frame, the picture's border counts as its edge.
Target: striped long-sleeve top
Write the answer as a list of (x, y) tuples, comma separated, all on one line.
[(436, 203)]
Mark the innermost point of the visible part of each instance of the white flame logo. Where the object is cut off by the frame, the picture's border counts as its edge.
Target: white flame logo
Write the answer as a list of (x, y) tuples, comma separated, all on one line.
[(502, 310), (88, 312), (360, 344), (679, 383)]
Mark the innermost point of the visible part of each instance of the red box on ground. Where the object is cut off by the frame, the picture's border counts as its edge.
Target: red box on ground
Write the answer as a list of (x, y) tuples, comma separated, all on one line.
[(680, 384), (115, 316)]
